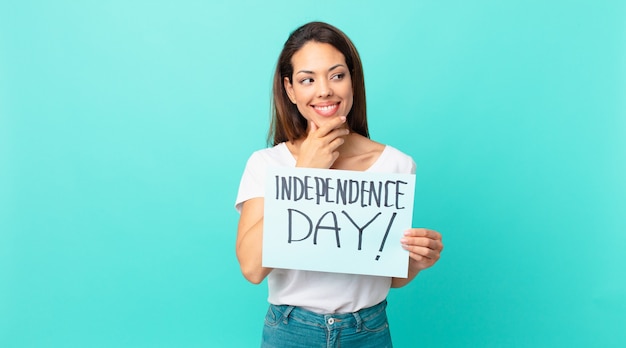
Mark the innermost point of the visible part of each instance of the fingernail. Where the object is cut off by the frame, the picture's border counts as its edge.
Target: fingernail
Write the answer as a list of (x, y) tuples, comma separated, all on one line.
[(403, 241), (343, 118)]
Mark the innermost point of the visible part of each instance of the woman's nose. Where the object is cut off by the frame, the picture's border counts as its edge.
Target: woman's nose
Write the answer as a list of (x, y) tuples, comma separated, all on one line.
[(324, 90)]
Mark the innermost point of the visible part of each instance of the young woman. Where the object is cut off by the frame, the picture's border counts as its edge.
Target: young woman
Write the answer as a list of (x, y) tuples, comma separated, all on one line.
[(319, 121)]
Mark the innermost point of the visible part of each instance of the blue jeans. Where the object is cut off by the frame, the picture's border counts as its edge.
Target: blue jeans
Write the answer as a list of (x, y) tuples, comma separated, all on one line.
[(294, 327)]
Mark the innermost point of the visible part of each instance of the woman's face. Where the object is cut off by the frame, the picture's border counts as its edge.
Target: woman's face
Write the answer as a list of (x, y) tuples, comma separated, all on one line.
[(321, 85)]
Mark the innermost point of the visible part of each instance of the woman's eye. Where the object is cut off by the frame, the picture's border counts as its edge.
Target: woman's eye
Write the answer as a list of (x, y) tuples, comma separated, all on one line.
[(306, 81), (338, 76)]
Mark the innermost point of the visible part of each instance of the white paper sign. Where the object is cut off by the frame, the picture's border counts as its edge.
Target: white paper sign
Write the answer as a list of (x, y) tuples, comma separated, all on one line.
[(337, 220)]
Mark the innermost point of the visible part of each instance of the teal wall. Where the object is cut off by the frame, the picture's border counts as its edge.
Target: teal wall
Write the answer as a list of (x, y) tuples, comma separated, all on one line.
[(125, 126)]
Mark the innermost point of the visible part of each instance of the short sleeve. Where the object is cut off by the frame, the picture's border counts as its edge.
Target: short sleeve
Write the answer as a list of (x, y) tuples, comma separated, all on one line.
[(252, 184), (413, 166)]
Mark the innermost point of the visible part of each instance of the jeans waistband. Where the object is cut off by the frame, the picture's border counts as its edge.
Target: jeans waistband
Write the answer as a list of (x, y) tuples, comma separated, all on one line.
[(331, 321)]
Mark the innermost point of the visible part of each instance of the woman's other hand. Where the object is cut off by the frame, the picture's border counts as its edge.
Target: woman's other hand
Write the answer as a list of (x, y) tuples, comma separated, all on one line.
[(320, 148)]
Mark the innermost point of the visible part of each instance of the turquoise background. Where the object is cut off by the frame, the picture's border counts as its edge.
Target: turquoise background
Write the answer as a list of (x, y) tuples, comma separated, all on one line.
[(125, 127)]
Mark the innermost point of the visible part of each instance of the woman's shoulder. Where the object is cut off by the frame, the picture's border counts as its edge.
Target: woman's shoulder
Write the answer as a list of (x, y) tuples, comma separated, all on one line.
[(393, 152), (276, 155), (392, 159)]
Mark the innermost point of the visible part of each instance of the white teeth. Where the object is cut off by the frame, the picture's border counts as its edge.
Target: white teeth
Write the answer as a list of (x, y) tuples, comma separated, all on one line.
[(326, 108)]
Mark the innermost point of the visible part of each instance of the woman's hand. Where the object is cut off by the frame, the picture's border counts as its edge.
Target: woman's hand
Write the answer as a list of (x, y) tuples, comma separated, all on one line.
[(424, 247), (320, 148)]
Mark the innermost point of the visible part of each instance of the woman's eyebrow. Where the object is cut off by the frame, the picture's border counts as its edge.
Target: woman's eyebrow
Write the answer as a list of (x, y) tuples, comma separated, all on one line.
[(311, 72), (305, 72), (336, 66)]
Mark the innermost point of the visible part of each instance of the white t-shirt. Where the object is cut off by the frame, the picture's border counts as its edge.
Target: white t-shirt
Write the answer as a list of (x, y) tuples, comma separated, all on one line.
[(319, 292)]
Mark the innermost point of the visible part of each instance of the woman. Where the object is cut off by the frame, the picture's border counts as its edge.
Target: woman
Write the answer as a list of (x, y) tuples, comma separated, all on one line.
[(319, 121)]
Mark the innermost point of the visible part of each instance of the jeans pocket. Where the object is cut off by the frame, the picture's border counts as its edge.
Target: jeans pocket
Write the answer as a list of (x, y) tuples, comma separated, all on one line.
[(271, 318), (274, 315), (376, 323)]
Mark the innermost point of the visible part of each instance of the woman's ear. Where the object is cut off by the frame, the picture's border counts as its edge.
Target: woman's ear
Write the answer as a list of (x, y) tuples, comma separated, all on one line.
[(289, 89)]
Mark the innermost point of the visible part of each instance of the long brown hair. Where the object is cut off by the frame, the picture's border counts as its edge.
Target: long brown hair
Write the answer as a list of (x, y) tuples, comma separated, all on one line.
[(287, 122)]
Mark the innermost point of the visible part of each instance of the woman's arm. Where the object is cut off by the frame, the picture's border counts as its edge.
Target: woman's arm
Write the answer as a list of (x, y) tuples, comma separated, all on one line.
[(249, 244), (318, 150), (424, 247)]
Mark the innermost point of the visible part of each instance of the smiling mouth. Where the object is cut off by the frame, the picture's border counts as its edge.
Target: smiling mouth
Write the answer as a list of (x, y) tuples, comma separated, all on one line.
[(326, 110)]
